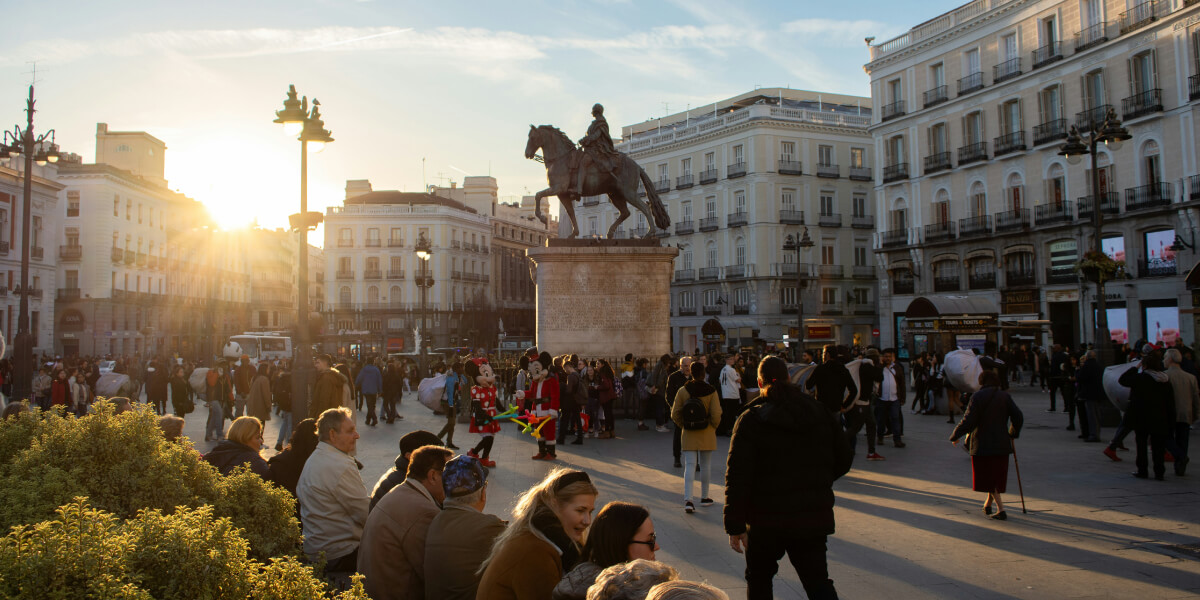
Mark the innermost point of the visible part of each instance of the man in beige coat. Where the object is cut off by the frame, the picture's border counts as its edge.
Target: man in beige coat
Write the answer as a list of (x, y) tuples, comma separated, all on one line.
[(699, 437), (392, 554), (1187, 408)]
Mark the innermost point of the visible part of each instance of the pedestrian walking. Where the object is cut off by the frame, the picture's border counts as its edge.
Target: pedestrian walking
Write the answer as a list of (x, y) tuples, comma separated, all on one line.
[(243, 377), (369, 383), (1151, 412), (1187, 408), (218, 398), (986, 425), (451, 400), (698, 411)]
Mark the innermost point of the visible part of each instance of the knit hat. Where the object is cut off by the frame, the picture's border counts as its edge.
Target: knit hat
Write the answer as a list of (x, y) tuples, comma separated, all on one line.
[(463, 475), (415, 439)]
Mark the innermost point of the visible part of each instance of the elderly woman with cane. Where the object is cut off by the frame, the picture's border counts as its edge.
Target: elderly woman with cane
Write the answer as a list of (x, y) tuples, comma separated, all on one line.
[(989, 439)]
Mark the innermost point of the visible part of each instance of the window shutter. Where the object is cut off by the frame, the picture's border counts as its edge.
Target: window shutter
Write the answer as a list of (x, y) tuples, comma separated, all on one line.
[(1133, 76), (1153, 68)]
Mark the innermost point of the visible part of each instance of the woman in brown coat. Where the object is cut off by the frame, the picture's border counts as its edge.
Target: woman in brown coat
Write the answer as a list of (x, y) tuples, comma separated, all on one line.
[(258, 401), (543, 540), (699, 436)]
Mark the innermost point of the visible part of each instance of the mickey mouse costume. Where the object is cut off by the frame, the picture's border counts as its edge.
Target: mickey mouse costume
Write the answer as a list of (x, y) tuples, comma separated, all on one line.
[(483, 408)]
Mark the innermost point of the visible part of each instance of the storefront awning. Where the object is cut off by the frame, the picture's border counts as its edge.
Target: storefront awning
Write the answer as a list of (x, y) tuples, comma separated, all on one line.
[(926, 307)]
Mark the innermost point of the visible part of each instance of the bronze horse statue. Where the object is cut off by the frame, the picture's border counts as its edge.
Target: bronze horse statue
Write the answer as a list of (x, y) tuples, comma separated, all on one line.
[(621, 187)]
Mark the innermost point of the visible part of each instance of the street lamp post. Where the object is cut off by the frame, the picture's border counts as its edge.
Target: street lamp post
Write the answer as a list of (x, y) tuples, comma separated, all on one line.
[(1109, 132), (424, 281), (800, 247), (310, 129), (25, 142)]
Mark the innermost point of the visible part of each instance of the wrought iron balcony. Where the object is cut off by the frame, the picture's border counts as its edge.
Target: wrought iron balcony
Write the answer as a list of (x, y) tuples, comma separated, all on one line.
[(739, 271), (972, 153), (831, 307), (895, 172), (1143, 14), (372, 274), (947, 283), (687, 311), (1110, 203), (894, 238), (938, 162), (395, 243), (683, 182), (893, 110), (685, 227), (1142, 104), (805, 271), (1091, 36), (1047, 54), (791, 217), (904, 286), (591, 200), (710, 273), (735, 170), (939, 232), (712, 309), (830, 271), (710, 224), (1193, 87), (373, 243), (830, 171), (1050, 131), (1012, 220), (737, 219), (395, 274), (1054, 213), (973, 226), (342, 243), (862, 221), (663, 186), (70, 252), (1012, 278), (981, 281), (1009, 143), (638, 232), (1156, 268), (1092, 118), (708, 176), (830, 220), (345, 274), (1006, 70), (1193, 185), (864, 272), (67, 293), (1061, 275), (937, 95), (1148, 196), (790, 167), (860, 173), (741, 309), (455, 245), (970, 83), (685, 275)]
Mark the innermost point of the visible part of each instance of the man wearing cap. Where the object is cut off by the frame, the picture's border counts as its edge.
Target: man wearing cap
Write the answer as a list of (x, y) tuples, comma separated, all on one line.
[(392, 554), (395, 475), (461, 536)]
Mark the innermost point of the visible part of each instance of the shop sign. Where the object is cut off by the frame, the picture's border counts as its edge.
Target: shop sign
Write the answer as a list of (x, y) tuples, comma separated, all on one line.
[(1062, 296), (922, 325), (71, 320), (965, 323), (353, 332), (820, 332), (1020, 301)]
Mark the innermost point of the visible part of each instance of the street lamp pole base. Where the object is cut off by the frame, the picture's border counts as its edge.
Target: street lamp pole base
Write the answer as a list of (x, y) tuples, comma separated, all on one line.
[(23, 366)]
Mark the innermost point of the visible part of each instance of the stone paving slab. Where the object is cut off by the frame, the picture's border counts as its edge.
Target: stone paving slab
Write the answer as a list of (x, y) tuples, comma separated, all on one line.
[(908, 527)]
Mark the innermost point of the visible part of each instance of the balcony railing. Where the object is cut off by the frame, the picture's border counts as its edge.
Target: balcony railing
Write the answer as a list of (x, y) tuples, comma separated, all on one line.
[(972, 153), (395, 274), (1193, 87), (864, 271), (1055, 213), (663, 185), (345, 243), (1156, 268), (737, 219), (893, 110), (806, 270), (712, 309), (1110, 203), (591, 200), (830, 220), (70, 252), (1148, 196), (939, 232), (1047, 54), (1009, 143), (830, 171), (1193, 194), (1061, 275), (638, 232), (1092, 118), (685, 275), (1091, 36), (862, 221), (903, 286), (947, 283), (710, 224), (741, 309), (790, 167), (455, 245), (937, 95), (67, 293), (860, 173), (894, 238), (395, 243), (141, 259), (895, 172), (972, 226), (735, 170), (685, 227), (1143, 14), (708, 176), (1019, 278), (118, 254), (739, 271), (981, 281), (791, 217), (687, 311), (372, 274), (345, 274), (683, 182), (1050, 131), (1142, 104), (970, 83), (373, 243), (831, 307), (830, 271), (938, 162), (1012, 220), (710, 273), (1006, 70)]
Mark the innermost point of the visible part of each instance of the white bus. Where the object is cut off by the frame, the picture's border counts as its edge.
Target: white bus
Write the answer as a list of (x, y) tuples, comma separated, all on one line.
[(258, 346)]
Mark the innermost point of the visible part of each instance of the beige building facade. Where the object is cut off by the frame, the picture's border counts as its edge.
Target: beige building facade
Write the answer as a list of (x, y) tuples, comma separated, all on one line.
[(974, 200)]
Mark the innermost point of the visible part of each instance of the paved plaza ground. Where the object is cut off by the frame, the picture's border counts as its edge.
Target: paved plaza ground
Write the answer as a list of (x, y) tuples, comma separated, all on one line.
[(908, 527)]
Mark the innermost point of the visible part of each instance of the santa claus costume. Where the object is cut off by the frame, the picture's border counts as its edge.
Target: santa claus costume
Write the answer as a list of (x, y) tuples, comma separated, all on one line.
[(483, 409), (542, 400)]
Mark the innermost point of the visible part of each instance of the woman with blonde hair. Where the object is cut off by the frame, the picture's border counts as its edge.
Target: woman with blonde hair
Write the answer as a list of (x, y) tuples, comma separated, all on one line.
[(630, 581), (685, 590), (543, 539), (240, 447)]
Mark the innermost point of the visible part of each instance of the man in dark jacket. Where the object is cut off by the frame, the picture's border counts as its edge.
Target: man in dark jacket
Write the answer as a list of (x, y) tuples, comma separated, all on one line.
[(1090, 380), (461, 536), (395, 475), (327, 392), (674, 382), (369, 382), (776, 506), (832, 381), (1056, 381)]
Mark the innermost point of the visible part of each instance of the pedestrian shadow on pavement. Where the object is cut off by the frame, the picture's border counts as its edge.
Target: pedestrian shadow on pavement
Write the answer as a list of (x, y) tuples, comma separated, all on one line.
[(850, 553)]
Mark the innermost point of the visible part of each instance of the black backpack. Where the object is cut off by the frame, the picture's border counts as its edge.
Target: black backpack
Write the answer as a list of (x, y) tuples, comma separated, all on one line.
[(693, 414)]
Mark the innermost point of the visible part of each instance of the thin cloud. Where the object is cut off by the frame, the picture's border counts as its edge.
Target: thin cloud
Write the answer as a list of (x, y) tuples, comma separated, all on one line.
[(838, 32)]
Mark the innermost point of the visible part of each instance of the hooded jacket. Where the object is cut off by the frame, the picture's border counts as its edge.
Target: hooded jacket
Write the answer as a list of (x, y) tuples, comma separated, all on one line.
[(793, 496), (228, 455), (697, 439), (1151, 400)]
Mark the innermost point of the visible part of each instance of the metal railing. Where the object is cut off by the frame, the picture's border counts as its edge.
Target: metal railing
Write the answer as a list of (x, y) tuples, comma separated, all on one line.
[(1142, 104), (739, 271), (948, 283), (663, 186), (1051, 214), (939, 232), (829, 220), (70, 252), (373, 243), (790, 167), (345, 274), (395, 274), (1193, 87), (712, 309), (710, 273), (863, 271), (1020, 278), (1094, 35), (1008, 143), (1012, 220), (970, 226), (904, 286), (735, 170), (683, 182), (737, 219), (831, 171), (938, 162), (685, 275), (972, 153), (1006, 70), (862, 221), (894, 238), (970, 83), (830, 271), (860, 173), (1092, 118), (708, 176), (1148, 196), (687, 311), (345, 243), (895, 172), (981, 281), (893, 110), (1050, 131), (710, 224), (936, 96), (395, 243), (1047, 54), (1143, 14), (685, 227), (791, 217), (372, 274), (67, 293), (1110, 203)]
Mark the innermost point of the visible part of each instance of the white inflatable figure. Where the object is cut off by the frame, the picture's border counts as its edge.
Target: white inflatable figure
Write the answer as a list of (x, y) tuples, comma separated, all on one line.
[(431, 390), (962, 370), (113, 384), (1117, 393), (853, 366), (232, 351), (798, 374), (199, 381)]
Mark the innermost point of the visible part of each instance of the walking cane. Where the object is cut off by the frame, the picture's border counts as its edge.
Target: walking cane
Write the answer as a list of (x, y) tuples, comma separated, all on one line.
[(1017, 464)]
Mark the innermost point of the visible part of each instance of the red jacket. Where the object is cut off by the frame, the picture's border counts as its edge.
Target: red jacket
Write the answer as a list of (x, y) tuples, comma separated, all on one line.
[(60, 393), (543, 396)]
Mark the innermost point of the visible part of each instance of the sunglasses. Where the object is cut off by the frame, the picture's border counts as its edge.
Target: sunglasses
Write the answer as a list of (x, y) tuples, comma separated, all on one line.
[(652, 542)]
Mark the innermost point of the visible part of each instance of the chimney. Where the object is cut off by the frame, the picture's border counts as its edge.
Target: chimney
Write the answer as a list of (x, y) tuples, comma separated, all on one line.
[(453, 184)]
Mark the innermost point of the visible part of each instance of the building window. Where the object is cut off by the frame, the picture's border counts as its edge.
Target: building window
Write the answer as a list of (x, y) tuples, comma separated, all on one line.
[(895, 92), (787, 151), (829, 296), (860, 256), (978, 200), (741, 297), (685, 167), (739, 201), (710, 161), (739, 154), (710, 298), (710, 207), (1093, 89), (739, 252), (685, 211), (711, 251), (856, 158), (827, 254), (827, 204), (895, 150), (1010, 117), (824, 156), (937, 138), (685, 258), (787, 296), (687, 300), (973, 132), (859, 205), (787, 199), (1143, 74), (73, 203), (1151, 164), (344, 295), (1050, 104)]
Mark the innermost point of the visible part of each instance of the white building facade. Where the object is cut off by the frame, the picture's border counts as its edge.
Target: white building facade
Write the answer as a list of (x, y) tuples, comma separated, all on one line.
[(44, 218)]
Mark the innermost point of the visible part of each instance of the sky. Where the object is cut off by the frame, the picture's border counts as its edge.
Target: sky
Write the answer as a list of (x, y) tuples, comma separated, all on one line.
[(415, 93)]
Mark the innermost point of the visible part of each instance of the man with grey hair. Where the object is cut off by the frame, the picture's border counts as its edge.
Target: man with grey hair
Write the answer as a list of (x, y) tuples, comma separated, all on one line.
[(674, 382), (460, 537), (1187, 407), (333, 499)]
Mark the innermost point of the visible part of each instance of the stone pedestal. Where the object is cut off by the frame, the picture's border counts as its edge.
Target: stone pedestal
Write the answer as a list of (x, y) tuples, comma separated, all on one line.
[(604, 298)]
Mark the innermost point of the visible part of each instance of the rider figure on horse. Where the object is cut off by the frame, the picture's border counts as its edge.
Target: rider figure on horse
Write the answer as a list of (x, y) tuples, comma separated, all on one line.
[(597, 146)]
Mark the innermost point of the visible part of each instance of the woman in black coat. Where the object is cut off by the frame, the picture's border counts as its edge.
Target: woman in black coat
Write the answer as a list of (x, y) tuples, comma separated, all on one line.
[(1151, 411), (987, 421)]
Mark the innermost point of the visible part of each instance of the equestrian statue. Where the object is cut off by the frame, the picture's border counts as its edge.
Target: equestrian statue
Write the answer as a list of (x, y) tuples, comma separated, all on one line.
[(592, 169)]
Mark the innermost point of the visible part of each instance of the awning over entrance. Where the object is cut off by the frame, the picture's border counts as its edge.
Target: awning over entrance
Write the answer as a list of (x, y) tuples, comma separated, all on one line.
[(949, 306)]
